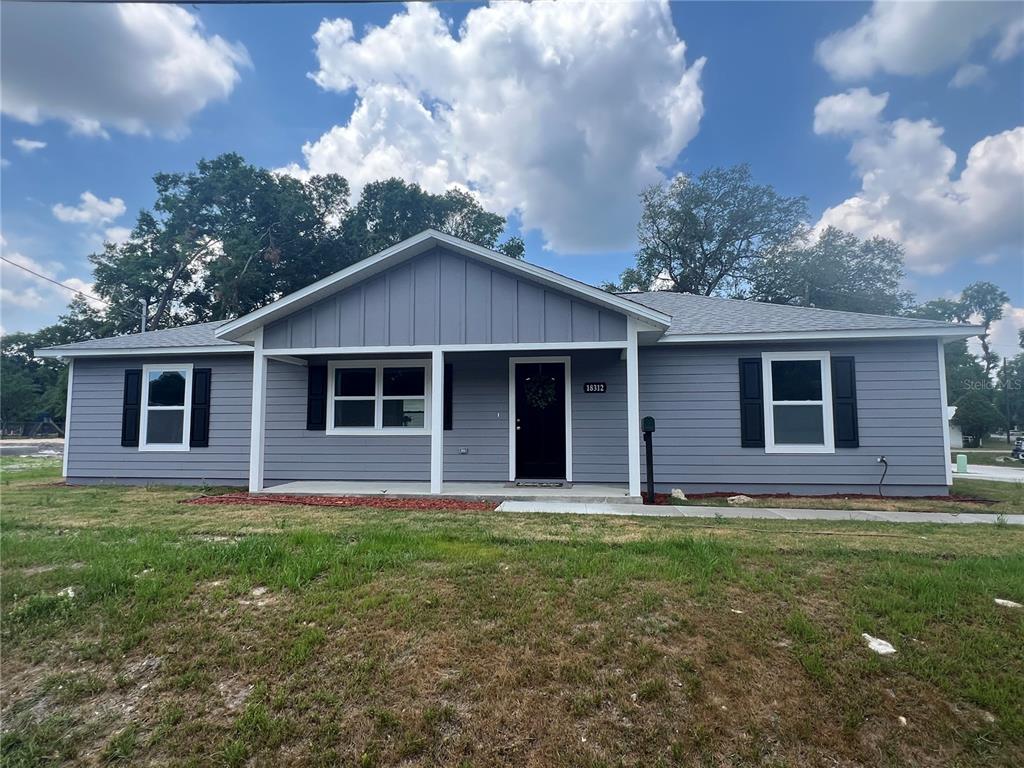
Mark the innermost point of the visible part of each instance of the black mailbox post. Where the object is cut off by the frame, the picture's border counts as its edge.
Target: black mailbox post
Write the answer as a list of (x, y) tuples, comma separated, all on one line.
[(647, 425)]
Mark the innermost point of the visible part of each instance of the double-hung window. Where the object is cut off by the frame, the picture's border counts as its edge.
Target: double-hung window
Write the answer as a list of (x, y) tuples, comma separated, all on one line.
[(372, 397), (166, 407), (797, 402)]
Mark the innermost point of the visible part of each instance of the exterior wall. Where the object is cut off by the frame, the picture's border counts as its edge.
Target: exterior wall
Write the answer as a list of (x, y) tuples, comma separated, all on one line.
[(480, 395), (95, 453), (443, 298), (693, 393), (291, 452)]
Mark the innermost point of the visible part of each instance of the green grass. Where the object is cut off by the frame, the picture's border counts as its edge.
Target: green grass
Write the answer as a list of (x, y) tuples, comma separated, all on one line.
[(989, 459), (233, 635)]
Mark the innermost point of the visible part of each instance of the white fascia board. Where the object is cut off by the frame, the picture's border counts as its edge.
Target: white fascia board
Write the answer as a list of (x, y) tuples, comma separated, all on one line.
[(964, 332), (141, 351), (415, 245)]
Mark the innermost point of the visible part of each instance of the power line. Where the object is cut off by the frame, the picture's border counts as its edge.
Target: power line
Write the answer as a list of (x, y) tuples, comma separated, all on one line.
[(55, 282)]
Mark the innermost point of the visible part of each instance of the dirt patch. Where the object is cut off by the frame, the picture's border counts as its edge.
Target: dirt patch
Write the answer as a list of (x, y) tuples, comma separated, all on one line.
[(374, 502)]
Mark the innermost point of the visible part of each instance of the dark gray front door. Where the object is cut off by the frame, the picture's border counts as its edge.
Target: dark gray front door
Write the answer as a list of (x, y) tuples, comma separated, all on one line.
[(540, 421)]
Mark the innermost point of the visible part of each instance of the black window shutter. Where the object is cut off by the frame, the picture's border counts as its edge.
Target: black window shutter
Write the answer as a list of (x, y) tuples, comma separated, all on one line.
[(751, 403), (844, 402), (199, 433), (316, 398), (131, 407), (448, 397)]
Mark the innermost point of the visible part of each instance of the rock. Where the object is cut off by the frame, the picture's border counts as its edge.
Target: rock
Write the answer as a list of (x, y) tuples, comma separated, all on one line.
[(879, 646), (677, 493), (67, 592), (903, 721), (1007, 603), (739, 499)]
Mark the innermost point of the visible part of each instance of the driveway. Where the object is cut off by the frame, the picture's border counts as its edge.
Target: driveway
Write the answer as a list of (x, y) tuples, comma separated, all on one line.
[(999, 474)]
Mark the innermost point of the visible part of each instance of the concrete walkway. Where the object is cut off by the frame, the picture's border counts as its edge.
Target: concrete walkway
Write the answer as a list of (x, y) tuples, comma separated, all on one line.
[(984, 472), (751, 513)]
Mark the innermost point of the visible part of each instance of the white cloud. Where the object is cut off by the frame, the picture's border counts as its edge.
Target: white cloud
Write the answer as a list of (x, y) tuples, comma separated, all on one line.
[(967, 75), (28, 146), (561, 112), (116, 235), (92, 210), (915, 38), (20, 290), (908, 192), (138, 68), (1003, 336)]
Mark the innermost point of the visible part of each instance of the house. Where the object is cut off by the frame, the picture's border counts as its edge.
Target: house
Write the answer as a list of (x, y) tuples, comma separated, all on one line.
[(956, 435), (438, 366)]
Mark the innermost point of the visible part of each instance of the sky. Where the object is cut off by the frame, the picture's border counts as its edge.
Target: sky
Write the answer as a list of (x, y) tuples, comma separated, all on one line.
[(903, 120)]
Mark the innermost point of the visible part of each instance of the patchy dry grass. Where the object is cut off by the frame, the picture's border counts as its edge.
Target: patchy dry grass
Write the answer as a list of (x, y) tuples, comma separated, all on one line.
[(221, 635)]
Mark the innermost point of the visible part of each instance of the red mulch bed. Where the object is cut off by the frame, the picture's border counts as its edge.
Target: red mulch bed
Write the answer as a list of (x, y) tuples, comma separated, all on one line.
[(664, 498), (375, 502)]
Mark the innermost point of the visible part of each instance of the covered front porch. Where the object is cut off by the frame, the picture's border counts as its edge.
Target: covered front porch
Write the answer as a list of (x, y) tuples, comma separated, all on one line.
[(570, 492)]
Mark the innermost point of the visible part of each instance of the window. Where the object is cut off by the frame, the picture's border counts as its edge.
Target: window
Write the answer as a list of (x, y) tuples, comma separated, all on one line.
[(370, 397), (166, 407), (797, 402)]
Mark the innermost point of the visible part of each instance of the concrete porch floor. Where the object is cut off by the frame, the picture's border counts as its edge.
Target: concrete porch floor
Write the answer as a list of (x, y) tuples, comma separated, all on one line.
[(579, 492)]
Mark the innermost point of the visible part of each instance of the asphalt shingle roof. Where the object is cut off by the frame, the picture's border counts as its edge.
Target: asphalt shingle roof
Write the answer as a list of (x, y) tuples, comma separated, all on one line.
[(199, 335), (692, 315)]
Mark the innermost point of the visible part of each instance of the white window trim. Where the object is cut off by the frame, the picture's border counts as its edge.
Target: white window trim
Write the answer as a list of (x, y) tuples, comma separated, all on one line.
[(379, 398), (145, 408), (824, 359)]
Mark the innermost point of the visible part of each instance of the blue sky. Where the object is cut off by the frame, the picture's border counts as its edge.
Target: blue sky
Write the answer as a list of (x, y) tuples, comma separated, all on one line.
[(241, 82)]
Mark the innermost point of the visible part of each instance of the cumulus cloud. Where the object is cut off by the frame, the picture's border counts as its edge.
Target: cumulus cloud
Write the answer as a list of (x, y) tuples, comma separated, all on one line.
[(1004, 338), (28, 146), (91, 210), (908, 191), (560, 112), (967, 75), (21, 290), (137, 68), (918, 38)]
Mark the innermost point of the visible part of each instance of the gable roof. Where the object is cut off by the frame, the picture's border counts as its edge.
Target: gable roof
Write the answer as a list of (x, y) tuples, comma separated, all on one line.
[(189, 338), (711, 318), (415, 245)]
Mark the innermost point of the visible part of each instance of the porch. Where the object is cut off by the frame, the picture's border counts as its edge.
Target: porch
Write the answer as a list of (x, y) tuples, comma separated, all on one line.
[(574, 492)]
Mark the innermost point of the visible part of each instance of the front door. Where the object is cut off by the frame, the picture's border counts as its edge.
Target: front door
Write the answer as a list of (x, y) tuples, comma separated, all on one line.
[(540, 421)]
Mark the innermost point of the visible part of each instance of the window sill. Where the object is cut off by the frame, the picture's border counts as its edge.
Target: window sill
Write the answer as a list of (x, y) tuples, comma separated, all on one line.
[(799, 449), (164, 448), (370, 431)]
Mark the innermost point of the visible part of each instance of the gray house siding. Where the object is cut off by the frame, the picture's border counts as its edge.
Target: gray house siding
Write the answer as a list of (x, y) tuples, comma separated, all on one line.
[(480, 395), (291, 452), (693, 393), (443, 298), (95, 453)]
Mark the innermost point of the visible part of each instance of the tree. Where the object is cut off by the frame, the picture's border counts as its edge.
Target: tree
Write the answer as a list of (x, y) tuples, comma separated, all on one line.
[(706, 235), (963, 371), (985, 300), (837, 271), (976, 415)]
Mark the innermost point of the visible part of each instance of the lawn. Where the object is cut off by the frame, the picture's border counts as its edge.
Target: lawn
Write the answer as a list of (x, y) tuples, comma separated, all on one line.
[(273, 635), (989, 459)]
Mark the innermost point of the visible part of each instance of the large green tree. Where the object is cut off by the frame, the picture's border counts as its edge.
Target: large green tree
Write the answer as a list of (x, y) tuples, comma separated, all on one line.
[(706, 235), (838, 270)]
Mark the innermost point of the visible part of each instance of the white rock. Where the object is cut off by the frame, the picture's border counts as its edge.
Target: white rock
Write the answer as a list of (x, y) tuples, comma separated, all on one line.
[(739, 499), (1007, 603), (903, 721), (736, 610), (259, 591), (879, 646), (67, 592), (677, 493)]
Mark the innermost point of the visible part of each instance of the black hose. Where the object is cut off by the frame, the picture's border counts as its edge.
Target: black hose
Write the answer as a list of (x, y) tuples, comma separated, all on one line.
[(885, 469)]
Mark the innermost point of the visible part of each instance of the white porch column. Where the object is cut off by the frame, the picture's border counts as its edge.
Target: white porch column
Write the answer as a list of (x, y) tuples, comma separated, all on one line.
[(67, 417), (633, 406), (259, 396), (944, 411), (436, 420)]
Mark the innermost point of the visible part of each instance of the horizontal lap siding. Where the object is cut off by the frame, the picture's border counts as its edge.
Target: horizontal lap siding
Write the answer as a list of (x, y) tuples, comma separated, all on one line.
[(95, 452), (291, 452), (600, 437), (693, 393), (442, 298)]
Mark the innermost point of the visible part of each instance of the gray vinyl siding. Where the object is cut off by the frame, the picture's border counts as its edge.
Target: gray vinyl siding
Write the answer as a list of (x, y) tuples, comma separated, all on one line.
[(291, 452), (480, 394), (95, 453), (443, 298), (693, 393)]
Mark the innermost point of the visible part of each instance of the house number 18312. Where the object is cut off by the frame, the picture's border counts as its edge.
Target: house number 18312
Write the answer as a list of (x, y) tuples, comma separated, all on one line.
[(593, 387)]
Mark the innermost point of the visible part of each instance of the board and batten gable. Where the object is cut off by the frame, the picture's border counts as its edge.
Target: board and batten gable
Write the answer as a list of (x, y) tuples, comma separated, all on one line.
[(693, 393), (440, 297), (95, 453)]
